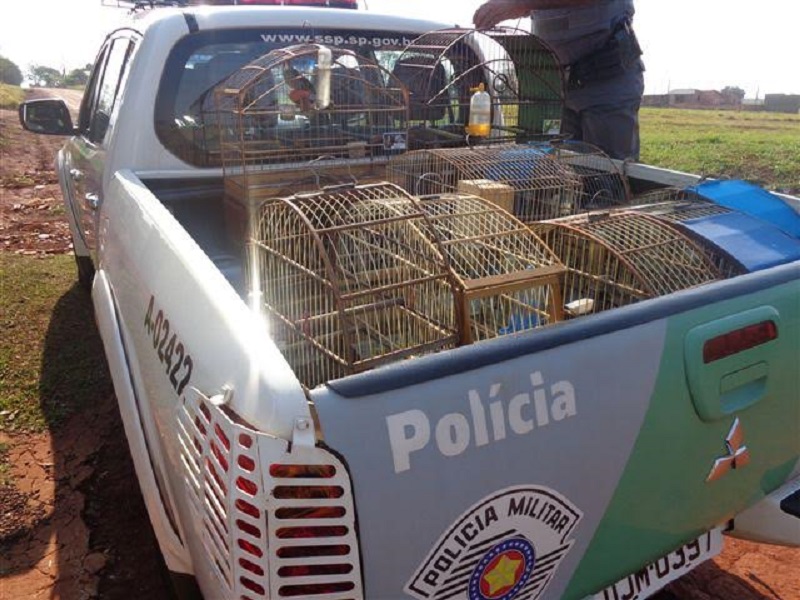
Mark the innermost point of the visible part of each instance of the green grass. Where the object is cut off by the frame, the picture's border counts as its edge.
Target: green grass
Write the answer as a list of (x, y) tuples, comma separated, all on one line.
[(760, 147), (11, 96), (51, 359)]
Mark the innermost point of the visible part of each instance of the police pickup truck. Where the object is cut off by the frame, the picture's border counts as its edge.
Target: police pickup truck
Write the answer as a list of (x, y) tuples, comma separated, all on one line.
[(592, 453)]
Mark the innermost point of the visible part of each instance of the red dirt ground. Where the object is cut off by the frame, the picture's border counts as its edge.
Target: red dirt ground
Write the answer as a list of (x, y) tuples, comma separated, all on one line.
[(73, 524)]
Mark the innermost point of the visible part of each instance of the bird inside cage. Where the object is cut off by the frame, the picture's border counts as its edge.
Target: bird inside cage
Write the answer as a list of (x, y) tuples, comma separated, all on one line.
[(301, 90)]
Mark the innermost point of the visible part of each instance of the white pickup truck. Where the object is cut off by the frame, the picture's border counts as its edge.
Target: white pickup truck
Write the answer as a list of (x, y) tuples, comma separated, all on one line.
[(583, 455)]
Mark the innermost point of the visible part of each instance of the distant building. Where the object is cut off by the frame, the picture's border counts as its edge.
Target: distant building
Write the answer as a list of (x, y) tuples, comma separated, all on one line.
[(785, 103), (689, 98)]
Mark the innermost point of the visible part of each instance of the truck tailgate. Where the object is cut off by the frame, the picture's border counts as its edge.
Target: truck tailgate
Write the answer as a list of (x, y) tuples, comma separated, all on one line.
[(553, 463)]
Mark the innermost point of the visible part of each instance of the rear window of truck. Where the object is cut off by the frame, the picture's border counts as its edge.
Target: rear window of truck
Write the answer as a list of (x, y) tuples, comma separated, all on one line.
[(200, 61)]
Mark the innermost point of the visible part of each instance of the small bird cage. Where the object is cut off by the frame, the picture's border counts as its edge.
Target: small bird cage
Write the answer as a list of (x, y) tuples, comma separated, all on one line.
[(603, 183), (305, 103), (508, 279), (443, 69), (357, 277), (684, 207), (618, 258), (349, 280), (532, 182)]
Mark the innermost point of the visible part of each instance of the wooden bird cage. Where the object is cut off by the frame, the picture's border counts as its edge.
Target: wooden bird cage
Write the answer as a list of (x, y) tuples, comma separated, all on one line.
[(303, 104), (356, 277), (508, 279), (618, 258), (442, 69), (603, 184), (534, 182), (681, 207), (350, 280)]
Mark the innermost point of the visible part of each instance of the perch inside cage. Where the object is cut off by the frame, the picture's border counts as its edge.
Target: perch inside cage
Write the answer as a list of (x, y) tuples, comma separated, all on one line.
[(443, 70), (534, 182), (301, 103), (615, 259), (353, 278)]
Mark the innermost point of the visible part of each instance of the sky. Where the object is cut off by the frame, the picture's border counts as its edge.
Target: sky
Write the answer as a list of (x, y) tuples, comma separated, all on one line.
[(704, 44)]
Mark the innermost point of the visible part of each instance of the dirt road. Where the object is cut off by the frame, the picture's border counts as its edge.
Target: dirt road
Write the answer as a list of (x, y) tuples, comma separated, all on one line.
[(73, 524)]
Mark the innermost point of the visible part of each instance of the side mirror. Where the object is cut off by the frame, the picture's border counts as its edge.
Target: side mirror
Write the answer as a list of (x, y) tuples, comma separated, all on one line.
[(49, 116)]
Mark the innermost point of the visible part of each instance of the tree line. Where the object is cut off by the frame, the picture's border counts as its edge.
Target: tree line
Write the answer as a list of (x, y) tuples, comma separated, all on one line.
[(42, 75)]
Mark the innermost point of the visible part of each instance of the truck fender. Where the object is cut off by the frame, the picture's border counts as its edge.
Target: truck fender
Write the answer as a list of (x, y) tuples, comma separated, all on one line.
[(175, 555)]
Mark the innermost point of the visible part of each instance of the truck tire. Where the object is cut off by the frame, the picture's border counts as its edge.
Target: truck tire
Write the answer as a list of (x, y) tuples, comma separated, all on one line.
[(85, 272)]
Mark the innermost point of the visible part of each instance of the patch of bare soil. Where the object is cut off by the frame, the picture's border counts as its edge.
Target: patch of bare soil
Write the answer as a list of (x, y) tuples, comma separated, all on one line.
[(72, 522)]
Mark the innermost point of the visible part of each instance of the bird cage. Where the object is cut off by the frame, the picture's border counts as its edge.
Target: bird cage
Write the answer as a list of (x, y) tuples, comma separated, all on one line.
[(443, 69), (301, 104), (618, 258), (357, 277), (533, 182), (508, 280), (603, 183), (349, 280), (684, 207)]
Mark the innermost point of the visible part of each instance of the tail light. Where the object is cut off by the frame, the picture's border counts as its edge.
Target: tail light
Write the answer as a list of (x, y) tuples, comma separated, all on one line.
[(273, 523)]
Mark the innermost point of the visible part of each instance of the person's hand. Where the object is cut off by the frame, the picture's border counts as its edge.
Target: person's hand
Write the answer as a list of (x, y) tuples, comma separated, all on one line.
[(494, 11)]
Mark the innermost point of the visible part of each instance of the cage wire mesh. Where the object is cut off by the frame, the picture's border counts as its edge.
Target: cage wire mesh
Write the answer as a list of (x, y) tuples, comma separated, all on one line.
[(356, 277), (621, 257), (443, 69), (680, 207), (534, 182), (300, 104)]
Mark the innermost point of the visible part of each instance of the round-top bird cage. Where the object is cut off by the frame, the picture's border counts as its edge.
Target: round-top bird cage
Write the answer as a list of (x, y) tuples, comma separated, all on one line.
[(443, 69), (356, 277), (534, 182), (350, 280), (508, 279), (618, 258), (603, 184), (300, 104)]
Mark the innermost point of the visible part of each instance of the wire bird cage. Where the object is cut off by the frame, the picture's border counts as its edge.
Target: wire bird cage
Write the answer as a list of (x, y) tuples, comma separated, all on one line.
[(618, 258), (508, 280), (300, 104), (443, 69), (534, 182), (357, 277), (681, 207)]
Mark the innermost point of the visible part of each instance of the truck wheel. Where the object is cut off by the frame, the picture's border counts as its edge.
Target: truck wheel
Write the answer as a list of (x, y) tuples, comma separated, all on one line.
[(85, 271)]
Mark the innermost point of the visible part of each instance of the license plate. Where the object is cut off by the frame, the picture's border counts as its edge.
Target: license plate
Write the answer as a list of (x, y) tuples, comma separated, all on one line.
[(666, 569)]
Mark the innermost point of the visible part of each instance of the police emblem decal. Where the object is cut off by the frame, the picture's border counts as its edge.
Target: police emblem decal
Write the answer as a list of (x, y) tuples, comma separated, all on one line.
[(503, 571), (508, 545)]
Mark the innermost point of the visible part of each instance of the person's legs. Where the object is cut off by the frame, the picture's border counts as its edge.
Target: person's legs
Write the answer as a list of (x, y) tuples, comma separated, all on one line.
[(615, 129), (571, 124)]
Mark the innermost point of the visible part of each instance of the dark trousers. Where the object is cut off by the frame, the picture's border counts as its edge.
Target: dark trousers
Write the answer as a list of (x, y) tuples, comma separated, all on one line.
[(615, 129)]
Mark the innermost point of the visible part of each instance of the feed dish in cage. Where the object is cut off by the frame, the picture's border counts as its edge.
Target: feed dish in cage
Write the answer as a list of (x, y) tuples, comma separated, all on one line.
[(356, 277)]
